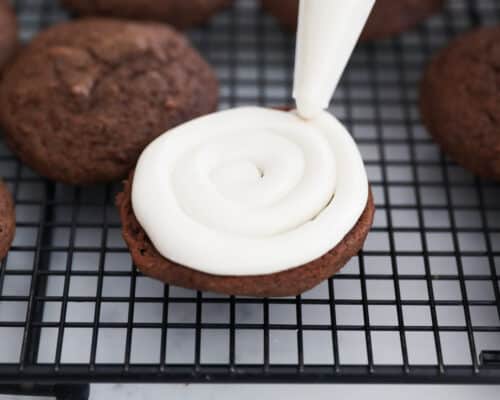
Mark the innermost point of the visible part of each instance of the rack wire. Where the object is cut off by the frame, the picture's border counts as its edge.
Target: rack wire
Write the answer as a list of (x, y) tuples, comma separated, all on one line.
[(421, 302)]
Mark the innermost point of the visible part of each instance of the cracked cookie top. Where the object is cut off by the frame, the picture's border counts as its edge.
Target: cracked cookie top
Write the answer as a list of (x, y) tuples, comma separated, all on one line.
[(81, 102)]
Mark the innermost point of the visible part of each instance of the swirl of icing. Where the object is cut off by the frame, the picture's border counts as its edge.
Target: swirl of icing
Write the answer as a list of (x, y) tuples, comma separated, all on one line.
[(250, 191)]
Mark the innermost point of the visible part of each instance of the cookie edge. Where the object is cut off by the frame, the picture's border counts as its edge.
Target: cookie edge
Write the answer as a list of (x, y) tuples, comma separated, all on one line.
[(8, 225), (291, 282)]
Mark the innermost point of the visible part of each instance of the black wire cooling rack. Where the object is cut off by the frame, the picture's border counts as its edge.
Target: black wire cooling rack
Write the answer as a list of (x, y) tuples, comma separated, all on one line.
[(421, 302)]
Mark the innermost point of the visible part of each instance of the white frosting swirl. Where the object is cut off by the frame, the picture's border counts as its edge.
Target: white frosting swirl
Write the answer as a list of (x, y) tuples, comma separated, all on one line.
[(250, 191)]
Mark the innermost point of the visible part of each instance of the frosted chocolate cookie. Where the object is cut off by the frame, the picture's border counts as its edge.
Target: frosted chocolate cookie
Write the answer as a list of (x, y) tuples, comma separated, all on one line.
[(460, 101), (248, 201), (8, 32), (84, 98), (7, 220), (389, 17), (180, 13)]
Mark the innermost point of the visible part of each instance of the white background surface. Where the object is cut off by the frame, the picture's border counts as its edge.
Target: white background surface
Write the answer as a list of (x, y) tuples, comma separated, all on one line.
[(290, 392)]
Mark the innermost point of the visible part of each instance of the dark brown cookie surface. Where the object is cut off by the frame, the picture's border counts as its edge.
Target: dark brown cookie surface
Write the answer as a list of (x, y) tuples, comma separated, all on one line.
[(7, 220), (389, 17), (8, 32), (81, 102), (180, 13), (460, 101), (286, 283)]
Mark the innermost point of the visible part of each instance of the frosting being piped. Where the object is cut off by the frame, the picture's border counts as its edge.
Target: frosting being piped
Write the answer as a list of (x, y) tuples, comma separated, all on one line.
[(255, 191), (250, 191), (327, 33)]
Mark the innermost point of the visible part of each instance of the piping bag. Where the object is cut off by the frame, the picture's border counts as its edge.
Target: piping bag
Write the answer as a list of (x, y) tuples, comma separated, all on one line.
[(327, 33)]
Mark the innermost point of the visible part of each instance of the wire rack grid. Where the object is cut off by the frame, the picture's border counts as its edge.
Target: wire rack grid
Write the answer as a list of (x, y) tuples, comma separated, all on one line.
[(421, 302)]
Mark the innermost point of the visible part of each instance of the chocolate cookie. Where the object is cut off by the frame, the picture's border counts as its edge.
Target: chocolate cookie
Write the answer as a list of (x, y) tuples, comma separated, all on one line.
[(8, 32), (180, 13), (81, 102), (460, 101), (389, 17), (7, 220), (286, 283)]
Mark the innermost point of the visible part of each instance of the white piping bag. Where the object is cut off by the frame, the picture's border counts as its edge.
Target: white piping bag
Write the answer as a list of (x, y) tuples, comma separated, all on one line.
[(327, 33)]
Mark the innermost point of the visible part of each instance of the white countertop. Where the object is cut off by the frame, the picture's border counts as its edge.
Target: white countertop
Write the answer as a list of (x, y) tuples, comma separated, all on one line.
[(289, 392)]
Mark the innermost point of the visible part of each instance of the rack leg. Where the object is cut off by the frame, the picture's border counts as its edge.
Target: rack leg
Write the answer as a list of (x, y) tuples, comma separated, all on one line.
[(72, 392), (59, 392)]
